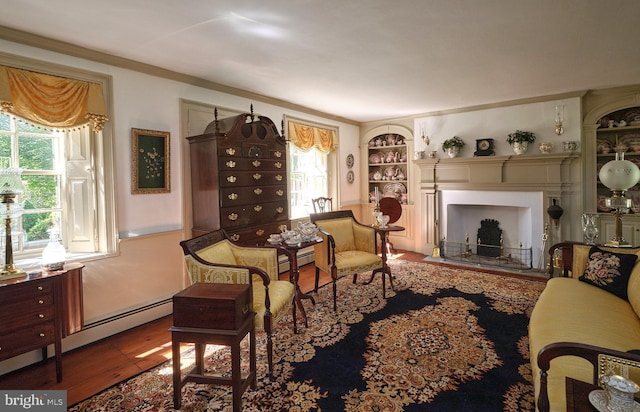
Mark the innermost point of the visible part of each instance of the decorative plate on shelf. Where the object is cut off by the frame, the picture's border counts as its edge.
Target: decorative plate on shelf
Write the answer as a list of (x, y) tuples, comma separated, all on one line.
[(603, 146), (375, 158), (350, 160), (632, 141), (394, 189)]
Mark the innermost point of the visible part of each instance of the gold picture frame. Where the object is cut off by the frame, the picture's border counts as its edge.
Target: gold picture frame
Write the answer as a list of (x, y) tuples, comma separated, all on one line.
[(150, 160)]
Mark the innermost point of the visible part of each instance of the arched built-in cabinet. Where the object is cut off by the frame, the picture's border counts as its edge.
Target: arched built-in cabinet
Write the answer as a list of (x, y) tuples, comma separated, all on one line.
[(611, 124), (386, 153)]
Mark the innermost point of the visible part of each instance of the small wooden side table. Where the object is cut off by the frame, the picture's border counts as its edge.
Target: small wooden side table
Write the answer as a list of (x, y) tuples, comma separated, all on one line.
[(217, 314), (383, 232), (577, 393)]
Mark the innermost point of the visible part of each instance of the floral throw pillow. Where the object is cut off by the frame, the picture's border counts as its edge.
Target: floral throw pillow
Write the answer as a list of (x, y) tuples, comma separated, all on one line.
[(609, 271)]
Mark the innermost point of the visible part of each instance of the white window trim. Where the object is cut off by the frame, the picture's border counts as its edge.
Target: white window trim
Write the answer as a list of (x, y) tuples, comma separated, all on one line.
[(100, 167)]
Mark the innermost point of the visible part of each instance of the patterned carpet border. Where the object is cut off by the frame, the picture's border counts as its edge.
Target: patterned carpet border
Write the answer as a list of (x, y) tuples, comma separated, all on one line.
[(445, 339)]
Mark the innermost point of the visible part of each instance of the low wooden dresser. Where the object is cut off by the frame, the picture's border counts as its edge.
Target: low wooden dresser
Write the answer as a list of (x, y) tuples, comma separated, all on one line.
[(41, 311), (219, 314)]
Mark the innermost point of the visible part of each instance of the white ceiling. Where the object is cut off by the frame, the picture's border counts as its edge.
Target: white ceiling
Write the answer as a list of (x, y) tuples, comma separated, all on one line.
[(361, 59)]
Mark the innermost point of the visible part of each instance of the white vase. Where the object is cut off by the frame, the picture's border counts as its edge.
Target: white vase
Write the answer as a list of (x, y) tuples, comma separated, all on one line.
[(453, 151), (520, 147)]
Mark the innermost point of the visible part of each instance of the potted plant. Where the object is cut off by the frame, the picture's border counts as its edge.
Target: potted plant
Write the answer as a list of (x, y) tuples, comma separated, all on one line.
[(520, 140), (452, 146)]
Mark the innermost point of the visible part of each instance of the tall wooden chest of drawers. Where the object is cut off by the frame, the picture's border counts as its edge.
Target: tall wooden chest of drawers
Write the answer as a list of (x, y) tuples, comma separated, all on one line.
[(239, 179), (40, 312)]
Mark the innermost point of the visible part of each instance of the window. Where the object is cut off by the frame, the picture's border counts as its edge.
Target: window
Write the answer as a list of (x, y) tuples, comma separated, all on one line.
[(39, 153), (311, 157), (68, 174), (308, 178)]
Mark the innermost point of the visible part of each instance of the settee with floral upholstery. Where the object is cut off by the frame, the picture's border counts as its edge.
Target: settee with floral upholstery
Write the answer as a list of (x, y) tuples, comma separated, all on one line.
[(591, 310)]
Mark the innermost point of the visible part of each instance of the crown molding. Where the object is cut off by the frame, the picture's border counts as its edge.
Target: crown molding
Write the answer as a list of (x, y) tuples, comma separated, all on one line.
[(34, 40)]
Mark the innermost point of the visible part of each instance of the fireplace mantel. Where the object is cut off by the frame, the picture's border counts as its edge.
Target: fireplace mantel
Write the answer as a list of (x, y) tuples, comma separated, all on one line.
[(536, 172), (549, 174)]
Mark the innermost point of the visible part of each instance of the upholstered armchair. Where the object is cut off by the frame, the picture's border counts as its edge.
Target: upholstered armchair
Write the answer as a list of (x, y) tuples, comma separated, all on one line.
[(213, 258), (349, 248)]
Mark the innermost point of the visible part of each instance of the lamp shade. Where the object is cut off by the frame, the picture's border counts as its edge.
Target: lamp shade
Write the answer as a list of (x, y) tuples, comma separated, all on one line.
[(619, 174)]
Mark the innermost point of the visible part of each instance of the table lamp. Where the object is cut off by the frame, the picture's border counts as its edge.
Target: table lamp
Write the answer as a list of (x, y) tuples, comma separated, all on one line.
[(619, 175), (10, 186)]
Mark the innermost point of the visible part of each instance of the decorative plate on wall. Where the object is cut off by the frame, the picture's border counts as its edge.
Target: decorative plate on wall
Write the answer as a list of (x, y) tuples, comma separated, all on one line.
[(350, 160), (351, 176)]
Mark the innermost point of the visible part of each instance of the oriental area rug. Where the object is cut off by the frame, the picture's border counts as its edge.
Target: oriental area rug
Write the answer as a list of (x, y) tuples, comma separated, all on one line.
[(446, 339)]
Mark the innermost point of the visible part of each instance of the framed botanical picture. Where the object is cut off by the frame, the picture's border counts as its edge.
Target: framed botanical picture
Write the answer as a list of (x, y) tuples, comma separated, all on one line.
[(150, 160)]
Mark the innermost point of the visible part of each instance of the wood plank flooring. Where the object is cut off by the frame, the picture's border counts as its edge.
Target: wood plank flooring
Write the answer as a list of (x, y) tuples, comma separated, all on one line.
[(95, 367)]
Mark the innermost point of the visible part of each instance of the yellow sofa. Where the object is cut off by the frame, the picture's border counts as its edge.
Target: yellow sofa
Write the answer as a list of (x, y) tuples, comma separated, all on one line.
[(574, 314)]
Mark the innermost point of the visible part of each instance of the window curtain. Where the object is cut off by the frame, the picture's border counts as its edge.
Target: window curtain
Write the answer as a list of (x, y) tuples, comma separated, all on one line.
[(51, 101), (307, 137)]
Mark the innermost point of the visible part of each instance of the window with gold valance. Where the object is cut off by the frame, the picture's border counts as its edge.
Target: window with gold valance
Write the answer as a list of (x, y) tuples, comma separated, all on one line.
[(51, 101), (306, 137)]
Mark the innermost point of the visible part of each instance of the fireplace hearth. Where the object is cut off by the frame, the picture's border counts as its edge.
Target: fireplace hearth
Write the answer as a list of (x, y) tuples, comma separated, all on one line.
[(499, 256)]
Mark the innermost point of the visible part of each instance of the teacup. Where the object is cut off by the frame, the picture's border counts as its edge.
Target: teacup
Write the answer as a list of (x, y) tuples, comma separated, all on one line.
[(620, 393), (275, 237)]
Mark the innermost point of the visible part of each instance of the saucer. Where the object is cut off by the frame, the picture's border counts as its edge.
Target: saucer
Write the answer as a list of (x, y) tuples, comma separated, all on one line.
[(274, 241), (598, 399)]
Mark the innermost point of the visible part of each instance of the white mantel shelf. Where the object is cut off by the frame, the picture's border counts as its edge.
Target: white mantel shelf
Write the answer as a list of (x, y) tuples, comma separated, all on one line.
[(534, 172)]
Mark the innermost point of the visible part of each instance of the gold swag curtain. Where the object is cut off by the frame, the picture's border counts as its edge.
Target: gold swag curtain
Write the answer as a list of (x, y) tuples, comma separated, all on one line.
[(51, 101), (306, 137)]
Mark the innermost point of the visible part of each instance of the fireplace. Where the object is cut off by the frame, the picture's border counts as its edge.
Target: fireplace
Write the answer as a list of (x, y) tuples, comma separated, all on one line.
[(520, 215), (457, 194)]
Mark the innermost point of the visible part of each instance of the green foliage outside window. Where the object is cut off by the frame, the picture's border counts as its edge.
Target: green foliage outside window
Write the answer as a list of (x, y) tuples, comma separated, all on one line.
[(36, 152)]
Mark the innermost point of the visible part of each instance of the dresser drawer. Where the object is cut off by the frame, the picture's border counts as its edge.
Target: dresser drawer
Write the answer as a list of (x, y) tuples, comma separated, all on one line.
[(256, 178), (244, 215), (29, 291), (248, 164), (255, 235), (17, 317), (27, 339), (235, 196)]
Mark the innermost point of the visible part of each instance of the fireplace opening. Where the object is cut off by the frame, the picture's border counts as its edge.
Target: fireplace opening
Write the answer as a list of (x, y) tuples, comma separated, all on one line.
[(489, 234)]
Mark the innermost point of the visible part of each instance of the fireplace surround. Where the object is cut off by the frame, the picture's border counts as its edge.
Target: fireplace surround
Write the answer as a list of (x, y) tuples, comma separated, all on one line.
[(516, 190)]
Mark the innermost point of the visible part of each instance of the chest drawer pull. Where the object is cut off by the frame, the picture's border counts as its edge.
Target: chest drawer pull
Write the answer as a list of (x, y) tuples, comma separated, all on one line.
[(42, 335), (230, 151), (279, 178), (233, 196), (231, 164), (260, 232), (233, 216), (40, 301), (41, 315), (257, 176), (280, 192), (278, 165), (231, 179), (257, 191), (279, 210), (257, 208), (256, 163), (235, 237), (39, 287), (277, 153)]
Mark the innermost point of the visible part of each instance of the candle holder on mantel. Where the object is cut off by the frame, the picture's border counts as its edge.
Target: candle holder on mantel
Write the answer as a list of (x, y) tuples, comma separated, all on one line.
[(10, 186)]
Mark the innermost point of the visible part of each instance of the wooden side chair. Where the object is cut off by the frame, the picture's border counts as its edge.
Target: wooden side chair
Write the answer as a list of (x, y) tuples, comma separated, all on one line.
[(322, 204), (213, 258), (349, 248)]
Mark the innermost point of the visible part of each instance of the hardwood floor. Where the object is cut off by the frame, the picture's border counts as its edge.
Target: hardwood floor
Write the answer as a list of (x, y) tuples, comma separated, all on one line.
[(95, 367)]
